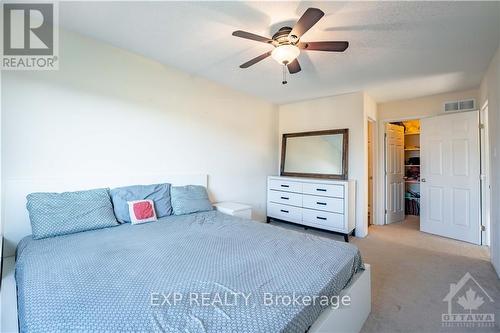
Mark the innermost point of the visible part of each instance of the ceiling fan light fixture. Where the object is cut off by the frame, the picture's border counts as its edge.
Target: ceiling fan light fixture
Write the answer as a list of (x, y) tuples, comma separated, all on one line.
[(285, 54)]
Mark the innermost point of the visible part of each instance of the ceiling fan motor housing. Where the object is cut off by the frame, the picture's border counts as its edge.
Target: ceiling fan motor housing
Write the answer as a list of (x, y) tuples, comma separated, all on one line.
[(282, 36)]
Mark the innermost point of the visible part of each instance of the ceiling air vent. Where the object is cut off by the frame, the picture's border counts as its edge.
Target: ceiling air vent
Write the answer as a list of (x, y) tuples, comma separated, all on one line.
[(463, 105)]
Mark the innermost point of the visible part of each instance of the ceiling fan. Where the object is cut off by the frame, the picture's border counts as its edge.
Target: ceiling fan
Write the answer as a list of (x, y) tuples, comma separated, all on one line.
[(287, 44)]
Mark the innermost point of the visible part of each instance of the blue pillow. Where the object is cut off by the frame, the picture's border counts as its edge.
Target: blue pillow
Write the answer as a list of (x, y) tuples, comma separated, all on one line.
[(190, 199), (159, 193), (55, 214)]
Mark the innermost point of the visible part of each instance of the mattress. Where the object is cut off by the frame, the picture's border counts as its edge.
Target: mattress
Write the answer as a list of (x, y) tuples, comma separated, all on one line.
[(203, 272)]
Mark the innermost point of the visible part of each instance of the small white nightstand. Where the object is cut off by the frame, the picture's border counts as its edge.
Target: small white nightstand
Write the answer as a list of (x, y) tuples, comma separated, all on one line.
[(235, 209)]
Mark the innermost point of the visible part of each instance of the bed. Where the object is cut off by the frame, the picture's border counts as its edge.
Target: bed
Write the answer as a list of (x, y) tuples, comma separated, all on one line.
[(228, 275)]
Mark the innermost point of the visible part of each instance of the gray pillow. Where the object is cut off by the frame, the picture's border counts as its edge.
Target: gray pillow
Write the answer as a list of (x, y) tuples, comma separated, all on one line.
[(190, 199), (159, 193), (55, 214)]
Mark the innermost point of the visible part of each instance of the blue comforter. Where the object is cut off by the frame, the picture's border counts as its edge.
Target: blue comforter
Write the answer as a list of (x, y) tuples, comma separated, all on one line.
[(204, 272)]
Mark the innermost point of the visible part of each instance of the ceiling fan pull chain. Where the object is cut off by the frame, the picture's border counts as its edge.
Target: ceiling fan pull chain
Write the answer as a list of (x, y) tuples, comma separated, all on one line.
[(284, 75)]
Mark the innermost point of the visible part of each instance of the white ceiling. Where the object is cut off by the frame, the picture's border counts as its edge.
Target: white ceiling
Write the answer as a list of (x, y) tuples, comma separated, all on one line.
[(397, 49)]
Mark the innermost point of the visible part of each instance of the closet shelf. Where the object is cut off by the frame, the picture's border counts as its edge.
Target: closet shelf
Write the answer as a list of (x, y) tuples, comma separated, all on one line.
[(410, 165), (412, 181), (417, 133), (412, 149)]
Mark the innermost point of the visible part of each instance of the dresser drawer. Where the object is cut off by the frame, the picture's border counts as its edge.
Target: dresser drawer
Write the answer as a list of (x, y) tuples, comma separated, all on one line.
[(327, 190), (330, 220), (286, 198), (284, 185), (283, 212), (335, 205)]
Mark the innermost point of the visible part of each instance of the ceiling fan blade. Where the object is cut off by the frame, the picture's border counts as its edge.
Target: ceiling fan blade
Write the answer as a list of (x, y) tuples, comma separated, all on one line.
[(294, 67), (255, 60), (249, 35), (339, 46), (306, 21)]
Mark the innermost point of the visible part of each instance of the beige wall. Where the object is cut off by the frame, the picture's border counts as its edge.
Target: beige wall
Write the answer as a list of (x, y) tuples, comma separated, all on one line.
[(490, 93), (407, 109), (341, 111), (370, 107), (421, 107), (116, 111)]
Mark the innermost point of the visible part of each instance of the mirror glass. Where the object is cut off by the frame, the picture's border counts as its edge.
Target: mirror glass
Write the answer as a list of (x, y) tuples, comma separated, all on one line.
[(315, 154)]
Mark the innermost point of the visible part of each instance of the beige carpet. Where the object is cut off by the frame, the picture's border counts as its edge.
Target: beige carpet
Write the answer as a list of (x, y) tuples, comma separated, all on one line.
[(411, 274)]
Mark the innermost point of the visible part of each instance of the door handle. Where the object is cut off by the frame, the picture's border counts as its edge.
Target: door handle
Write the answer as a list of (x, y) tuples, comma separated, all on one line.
[(423, 180)]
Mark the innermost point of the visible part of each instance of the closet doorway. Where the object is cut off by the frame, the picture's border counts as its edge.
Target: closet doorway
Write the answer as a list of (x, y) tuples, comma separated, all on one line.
[(432, 168), (402, 169)]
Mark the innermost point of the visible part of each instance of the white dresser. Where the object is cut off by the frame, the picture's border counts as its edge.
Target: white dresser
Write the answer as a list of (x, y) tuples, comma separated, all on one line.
[(318, 203)]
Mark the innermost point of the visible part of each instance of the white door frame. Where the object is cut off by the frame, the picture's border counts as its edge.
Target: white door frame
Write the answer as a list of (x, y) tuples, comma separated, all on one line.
[(484, 142), (373, 138)]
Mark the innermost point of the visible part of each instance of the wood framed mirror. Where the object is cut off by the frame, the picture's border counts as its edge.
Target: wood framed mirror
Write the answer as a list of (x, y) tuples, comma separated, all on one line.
[(318, 154)]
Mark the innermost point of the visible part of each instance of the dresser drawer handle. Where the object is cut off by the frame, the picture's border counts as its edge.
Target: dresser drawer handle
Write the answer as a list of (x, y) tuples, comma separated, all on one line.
[(321, 203), (321, 189), (284, 211), (321, 218), (285, 198), (284, 185)]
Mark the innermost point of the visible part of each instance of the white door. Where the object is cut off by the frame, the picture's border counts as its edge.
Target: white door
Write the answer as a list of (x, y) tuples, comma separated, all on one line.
[(394, 173), (450, 170)]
